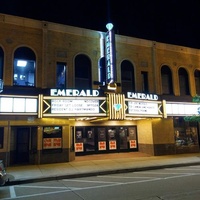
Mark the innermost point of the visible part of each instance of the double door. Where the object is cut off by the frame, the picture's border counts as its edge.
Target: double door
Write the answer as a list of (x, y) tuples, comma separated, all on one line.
[(91, 140)]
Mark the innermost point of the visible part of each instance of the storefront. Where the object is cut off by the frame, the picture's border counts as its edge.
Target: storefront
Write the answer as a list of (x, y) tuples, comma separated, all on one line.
[(68, 123)]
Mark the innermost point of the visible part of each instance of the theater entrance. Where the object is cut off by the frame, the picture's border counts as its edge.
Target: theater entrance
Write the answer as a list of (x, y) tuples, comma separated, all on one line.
[(95, 140), (24, 140)]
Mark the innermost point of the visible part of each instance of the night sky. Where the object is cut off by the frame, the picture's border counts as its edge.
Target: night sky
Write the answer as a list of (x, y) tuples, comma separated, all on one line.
[(168, 21)]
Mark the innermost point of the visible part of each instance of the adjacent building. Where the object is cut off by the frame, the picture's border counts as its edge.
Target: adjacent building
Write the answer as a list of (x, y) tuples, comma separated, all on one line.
[(61, 98)]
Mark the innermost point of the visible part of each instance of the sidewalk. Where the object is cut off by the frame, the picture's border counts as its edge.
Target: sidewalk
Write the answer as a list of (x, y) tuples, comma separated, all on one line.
[(98, 165)]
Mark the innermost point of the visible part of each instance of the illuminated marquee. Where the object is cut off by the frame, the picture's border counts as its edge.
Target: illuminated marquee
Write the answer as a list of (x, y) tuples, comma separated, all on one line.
[(182, 109), (74, 106), (22, 105), (143, 108)]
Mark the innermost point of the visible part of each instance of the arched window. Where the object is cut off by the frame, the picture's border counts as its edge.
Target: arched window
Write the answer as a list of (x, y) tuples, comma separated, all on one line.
[(166, 76), (197, 81), (127, 77), (61, 71), (1, 62), (24, 67), (83, 72), (183, 81)]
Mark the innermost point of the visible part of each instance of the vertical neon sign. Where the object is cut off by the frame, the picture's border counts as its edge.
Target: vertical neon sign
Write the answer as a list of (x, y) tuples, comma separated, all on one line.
[(110, 55)]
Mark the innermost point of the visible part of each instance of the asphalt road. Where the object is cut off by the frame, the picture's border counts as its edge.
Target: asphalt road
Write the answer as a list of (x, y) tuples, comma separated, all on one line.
[(180, 183)]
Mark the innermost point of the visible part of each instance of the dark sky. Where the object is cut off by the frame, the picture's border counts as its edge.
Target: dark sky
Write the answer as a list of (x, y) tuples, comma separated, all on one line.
[(169, 21)]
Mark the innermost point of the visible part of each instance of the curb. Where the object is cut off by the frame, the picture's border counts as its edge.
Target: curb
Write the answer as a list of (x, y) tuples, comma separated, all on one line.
[(81, 175)]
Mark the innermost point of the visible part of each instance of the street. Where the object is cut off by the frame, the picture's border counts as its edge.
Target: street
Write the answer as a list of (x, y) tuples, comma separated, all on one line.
[(169, 183)]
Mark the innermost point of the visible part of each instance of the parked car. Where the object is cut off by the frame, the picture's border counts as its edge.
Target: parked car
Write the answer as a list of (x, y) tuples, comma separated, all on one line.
[(3, 175)]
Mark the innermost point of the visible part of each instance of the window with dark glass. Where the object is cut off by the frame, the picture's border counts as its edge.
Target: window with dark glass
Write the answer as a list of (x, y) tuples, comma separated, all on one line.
[(83, 72), (24, 67), (1, 62), (52, 137), (197, 81), (61, 75), (183, 81), (145, 85), (185, 133), (127, 77), (1, 137), (166, 77)]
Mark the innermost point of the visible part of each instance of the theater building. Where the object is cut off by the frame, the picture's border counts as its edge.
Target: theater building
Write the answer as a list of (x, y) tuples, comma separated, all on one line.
[(69, 91)]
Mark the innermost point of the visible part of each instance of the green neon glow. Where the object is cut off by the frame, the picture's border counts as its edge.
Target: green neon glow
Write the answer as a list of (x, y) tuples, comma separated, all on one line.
[(109, 26)]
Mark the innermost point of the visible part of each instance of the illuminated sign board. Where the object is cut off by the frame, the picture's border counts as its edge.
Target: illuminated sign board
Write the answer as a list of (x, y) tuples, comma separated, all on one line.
[(74, 92), (18, 105), (182, 109), (134, 95), (110, 54), (74, 106), (142, 108)]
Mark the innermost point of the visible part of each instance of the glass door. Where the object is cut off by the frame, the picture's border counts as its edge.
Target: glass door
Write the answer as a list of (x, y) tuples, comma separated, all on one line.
[(123, 141), (112, 139)]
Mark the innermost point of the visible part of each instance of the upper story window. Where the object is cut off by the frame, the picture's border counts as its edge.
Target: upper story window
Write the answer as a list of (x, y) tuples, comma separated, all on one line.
[(145, 85), (61, 75), (183, 81), (83, 72), (166, 76), (197, 81), (24, 67), (127, 76), (1, 62)]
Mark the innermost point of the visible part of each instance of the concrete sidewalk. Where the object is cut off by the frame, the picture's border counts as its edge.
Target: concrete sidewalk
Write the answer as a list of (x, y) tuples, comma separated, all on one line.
[(98, 165)]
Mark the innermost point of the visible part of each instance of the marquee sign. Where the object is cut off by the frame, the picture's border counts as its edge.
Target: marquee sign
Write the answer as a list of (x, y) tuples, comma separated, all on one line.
[(182, 109), (144, 108), (72, 106), (22, 105)]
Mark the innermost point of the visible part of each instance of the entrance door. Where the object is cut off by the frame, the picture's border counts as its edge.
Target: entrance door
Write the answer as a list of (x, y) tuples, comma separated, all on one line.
[(22, 145), (123, 141)]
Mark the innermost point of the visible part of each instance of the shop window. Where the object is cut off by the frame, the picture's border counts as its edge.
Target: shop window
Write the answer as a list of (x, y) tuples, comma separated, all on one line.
[(166, 77), (1, 63), (24, 67), (1, 137), (83, 72), (61, 75), (52, 138), (186, 134), (197, 81), (145, 85), (127, 77), (183, 81)]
